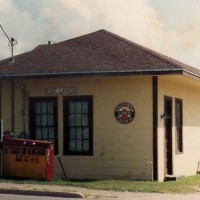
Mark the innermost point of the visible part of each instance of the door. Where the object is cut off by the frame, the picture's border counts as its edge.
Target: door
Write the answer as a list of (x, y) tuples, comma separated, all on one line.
[(168, 135)]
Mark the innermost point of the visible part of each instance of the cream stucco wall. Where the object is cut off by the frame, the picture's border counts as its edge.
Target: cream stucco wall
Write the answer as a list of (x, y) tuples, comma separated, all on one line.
[(119, 150), (189, 90)]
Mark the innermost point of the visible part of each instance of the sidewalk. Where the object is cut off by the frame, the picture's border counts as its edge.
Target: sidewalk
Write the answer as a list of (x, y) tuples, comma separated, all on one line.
[(75, 192), (39, 190)]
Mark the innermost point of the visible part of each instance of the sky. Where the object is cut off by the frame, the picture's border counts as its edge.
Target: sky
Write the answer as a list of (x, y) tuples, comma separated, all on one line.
[(170, 27)]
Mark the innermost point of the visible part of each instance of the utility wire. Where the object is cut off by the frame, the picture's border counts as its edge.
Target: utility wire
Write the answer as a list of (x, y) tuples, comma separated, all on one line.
[(11, 43), (6, 34)]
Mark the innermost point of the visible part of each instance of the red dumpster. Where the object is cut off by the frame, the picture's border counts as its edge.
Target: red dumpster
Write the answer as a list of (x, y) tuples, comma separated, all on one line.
[(27, 158)]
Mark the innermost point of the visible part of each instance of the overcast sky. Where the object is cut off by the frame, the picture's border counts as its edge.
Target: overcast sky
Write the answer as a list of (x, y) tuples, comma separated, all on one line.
[(170, 27)]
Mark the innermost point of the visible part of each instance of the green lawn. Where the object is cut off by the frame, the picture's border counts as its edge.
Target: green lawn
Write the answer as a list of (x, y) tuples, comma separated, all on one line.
[(185, 185)]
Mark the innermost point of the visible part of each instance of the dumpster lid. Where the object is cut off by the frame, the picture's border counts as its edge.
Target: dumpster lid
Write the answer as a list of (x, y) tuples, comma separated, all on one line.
[(8, 141)]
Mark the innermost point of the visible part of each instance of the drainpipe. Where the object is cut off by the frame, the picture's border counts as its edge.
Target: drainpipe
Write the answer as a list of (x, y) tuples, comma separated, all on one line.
[(13, 106), (1, 131), (24, 107), (0, 98), (1, 155)]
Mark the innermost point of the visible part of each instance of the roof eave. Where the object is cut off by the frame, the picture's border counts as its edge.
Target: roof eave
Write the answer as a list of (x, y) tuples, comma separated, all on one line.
[(136, 72), (191, 74)]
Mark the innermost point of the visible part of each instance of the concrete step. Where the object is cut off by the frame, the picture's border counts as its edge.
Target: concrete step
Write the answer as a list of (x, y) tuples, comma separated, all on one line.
[(173, 177)]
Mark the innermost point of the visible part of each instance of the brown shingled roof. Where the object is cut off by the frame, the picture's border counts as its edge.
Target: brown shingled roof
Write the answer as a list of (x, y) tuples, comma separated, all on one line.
[(100, 52)]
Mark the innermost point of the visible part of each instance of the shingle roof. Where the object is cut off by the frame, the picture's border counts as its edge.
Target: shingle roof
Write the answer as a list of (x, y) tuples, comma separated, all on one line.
[(100, 52)]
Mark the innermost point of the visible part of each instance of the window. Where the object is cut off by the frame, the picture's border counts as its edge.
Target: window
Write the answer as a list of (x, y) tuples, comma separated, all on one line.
[(78, 125), (43, 119), (179, 125)]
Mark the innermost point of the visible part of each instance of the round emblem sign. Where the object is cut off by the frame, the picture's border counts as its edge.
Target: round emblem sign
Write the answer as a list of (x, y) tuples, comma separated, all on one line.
[(124, 113)]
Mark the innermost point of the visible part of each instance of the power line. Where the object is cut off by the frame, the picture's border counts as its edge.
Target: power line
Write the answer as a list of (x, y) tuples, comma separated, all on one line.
[(11, 42)]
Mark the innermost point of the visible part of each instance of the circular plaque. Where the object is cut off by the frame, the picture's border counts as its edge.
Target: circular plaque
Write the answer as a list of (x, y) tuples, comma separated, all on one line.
[(124, 113)]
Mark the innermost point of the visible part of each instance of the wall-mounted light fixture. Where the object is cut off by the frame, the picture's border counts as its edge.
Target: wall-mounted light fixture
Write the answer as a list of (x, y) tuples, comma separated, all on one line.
[(165, 116)]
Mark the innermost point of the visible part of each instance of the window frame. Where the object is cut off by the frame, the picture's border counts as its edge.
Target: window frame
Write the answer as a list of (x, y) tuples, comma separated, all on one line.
[(179, 127), (32, 121), (66, 100)]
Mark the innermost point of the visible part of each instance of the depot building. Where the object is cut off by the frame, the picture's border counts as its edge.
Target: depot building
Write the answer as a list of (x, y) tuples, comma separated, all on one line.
[(112, 108)]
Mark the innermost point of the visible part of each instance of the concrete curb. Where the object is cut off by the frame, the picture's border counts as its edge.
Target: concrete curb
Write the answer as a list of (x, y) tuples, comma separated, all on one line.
[(42, 193)]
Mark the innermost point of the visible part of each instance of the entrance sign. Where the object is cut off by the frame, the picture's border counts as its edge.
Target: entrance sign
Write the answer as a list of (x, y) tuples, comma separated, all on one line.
[(124, 113)]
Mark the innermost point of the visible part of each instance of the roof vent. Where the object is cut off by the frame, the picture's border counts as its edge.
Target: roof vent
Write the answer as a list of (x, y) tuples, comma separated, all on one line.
[(50, 42)]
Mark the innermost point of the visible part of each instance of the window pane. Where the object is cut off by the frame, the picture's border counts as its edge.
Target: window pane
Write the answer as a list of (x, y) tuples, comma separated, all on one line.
[(71, 107), (50, 107), (78, 107), (44, 120), (179, 139), (37, 107), (50, 120), (72, 145), (178, 133), (85, 145), (85, 107), (37, 120), (79, 133), (72, 120), (78, 120), (179, 120), (85, 133), (43, 107), (38, 133), (85, 120), (51, 133), (79, 145), (178, 114), (72, 133), (45, 133)]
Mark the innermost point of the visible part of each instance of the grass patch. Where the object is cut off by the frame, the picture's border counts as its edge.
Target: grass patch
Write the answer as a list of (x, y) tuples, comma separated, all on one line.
[(185, 185)]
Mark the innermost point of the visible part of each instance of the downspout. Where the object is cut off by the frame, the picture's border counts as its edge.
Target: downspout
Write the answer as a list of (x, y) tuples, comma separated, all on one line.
[(13, 107), (1, 136), (24, 107), (155, 126), (1, 117), (0, 100)]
